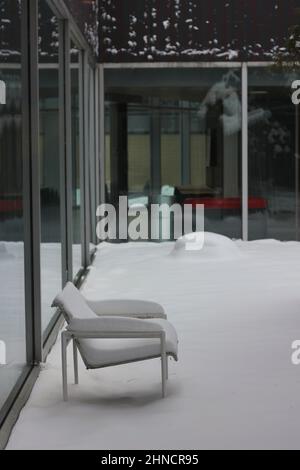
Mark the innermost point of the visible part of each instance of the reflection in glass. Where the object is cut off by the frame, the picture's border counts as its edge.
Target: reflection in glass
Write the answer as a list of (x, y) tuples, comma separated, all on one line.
[(12, 297), (272, 163), (51, 263), (176, 137)]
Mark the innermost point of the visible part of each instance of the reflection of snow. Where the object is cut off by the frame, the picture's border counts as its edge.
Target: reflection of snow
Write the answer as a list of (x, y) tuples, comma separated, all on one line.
[(279, 136), (205, 247), (226, 91)]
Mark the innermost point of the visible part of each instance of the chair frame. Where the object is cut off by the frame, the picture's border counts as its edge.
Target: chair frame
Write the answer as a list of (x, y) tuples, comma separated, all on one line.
[(68, 336)]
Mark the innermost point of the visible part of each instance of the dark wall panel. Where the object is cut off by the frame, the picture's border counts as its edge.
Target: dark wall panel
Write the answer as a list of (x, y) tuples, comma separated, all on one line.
[(187, 30)]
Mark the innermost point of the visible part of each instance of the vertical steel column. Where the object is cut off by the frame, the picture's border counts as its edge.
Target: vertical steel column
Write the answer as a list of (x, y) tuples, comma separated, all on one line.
[(62, 152), (31, 179), (245, 191), (185, 143), (65, 145), (101, 130)]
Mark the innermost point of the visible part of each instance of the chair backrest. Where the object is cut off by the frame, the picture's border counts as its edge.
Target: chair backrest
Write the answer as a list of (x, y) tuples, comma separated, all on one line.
[(72, 304)]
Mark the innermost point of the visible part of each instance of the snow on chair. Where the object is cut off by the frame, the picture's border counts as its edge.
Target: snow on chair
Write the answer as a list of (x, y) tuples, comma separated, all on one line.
[(109, 333)]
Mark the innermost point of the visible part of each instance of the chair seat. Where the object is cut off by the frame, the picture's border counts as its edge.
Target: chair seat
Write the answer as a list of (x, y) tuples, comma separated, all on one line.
[(99, 353)]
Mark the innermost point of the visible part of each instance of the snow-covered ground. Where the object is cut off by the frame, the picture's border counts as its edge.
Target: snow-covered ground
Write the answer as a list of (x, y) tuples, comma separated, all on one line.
[(234, 385)]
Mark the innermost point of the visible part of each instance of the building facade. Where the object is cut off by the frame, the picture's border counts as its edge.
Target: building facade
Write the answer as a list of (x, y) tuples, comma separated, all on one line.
[(198, 107)]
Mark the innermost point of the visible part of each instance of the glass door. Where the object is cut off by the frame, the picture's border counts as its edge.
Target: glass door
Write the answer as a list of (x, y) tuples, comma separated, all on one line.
[(12, 291)]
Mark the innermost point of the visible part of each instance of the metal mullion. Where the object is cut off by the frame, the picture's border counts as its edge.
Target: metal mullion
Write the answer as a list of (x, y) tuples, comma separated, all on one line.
[(97, 134), (31, 178), (245, 190), (101, 131), (91, 158), (26, 184), (84, 174), (62, 152), (68, 150)]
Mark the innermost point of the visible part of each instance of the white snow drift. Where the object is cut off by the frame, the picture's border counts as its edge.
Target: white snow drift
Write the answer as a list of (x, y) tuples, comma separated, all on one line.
[(234, 385), (206, 247)]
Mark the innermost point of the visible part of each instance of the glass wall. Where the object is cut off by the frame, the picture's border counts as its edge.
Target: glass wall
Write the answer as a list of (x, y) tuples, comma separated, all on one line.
[(12, 291), (77, 170), (51, 249), (170, 121), (273, 185), (34, 171), (174, 135)]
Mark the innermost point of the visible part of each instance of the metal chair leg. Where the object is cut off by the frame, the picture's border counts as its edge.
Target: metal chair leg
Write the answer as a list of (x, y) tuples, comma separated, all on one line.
[(75, 360), (64, 345), (163, 364)]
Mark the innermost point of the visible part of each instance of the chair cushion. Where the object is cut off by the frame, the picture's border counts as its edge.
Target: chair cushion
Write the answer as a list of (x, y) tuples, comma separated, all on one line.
[(112, 324), (128, 307), (104, 352), (72, 304)]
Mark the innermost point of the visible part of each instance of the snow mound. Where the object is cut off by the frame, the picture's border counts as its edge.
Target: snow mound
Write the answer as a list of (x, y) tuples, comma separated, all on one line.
[(206, 246), (4, 254)]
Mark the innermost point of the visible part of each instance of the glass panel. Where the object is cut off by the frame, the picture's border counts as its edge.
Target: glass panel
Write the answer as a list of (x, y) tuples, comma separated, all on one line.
[(12, 296), (92, 156), (272, 163), (77, 201), (175, 135), (51, 267)]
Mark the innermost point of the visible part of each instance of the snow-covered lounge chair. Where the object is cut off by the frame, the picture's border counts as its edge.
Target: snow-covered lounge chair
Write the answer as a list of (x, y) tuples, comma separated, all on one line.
[(114, 332)]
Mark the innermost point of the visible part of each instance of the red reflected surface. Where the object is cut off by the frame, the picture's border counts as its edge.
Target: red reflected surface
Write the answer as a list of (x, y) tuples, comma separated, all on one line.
[(226, 203)]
